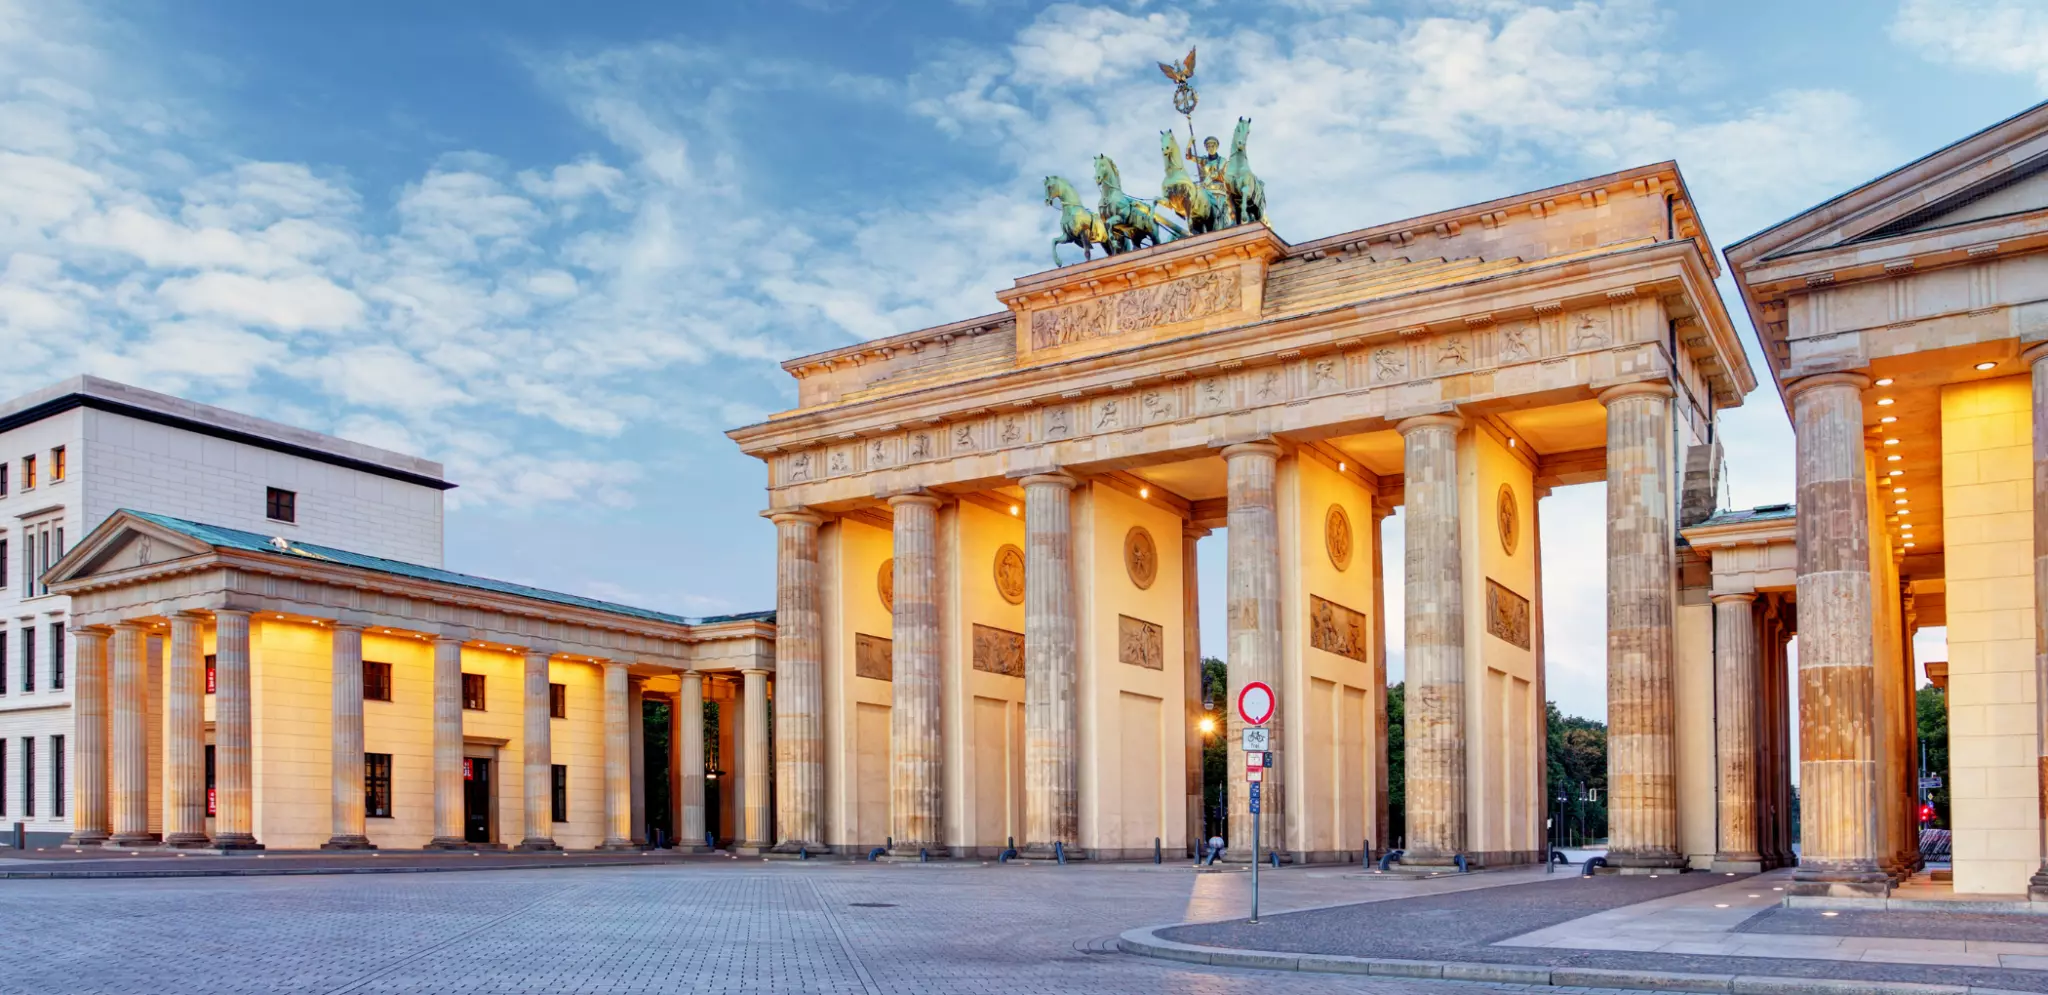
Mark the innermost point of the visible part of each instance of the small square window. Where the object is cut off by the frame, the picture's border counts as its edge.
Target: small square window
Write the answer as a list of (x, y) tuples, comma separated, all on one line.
[(57, 464), (280, 505), (473, 692), (558, 701), (28, 473), (560, 794), (377, 785), (376, 681)]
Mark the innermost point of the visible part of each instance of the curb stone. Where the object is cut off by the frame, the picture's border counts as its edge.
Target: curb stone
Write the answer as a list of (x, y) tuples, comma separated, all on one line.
[(1145, 942)]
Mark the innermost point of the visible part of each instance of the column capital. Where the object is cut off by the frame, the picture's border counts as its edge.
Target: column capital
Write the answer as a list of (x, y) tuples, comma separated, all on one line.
[(218, 612), (1846, 379), (1190, 530), (1746, 597), (94, 631), (916, 497), (763, 671), (2034, 353), (339, 625), (1263, 447), (132, 624), (1641, 388), (442, 639), (1053, 478), (793, 516), (192, 614), (1451, 421)]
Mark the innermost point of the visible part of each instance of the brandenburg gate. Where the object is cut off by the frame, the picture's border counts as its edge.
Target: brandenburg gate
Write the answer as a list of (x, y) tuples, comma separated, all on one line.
[(986, 592)]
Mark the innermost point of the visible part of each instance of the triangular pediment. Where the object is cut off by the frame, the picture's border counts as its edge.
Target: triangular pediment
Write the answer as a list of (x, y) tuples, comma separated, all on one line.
[(1996, 174), (124, 543)]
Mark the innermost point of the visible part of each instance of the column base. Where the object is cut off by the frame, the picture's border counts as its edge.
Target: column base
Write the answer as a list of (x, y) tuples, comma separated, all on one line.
[(538, 843), (750, 848), (348, 843), (786, 846), (618, 846), (187, 841), (2037, 886), (1867, 881), (1645, 861), (936, 851), (86, 839), (236, 841), (1428, 858), (1043, 851), (1738, 863), (122, 841), (448, 843)]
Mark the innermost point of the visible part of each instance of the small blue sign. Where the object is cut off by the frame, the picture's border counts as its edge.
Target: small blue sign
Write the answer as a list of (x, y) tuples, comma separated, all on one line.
[(1255, 797), (1269, 759)]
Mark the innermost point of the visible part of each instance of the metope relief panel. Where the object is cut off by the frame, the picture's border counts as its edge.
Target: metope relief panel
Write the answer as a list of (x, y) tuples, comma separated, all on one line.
[(1507, 615), (920, 445), (1159, 404), (873, 657), (1452, 353), (1012, 430), (1267, 385), (1517, 342), (839, 461), (1334, 628), (881, 453), (1324, 375), (998, 651), (1057, 423), (1172, 302), (1389, 363), (1588, 330), (1214, 394), (1140, 643)]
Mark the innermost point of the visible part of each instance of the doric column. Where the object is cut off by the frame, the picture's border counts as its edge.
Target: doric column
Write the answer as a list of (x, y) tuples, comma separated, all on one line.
[(1052, 797), (689, 754), (618, 760), (636, 747), (915, 748), (1191, 664), (1837, 667), (1252, 607), (756, 746), (2037, 887), (1642, 542), (1382, 818), (799, 690), (1435, 591), (89, 821), (185, 734), (1735, 732), (130, 738), (346, 766), (538, 757), (234, 776), (449, 831)]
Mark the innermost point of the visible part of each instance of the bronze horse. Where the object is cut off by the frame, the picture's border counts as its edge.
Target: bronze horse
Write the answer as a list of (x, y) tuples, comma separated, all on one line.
[(1078, 225), (1243, 188), (1131, 221), (1205, 209)]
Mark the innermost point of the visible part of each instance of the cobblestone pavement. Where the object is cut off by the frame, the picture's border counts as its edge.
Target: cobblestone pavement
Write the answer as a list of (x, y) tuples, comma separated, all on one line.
[(708, 927)]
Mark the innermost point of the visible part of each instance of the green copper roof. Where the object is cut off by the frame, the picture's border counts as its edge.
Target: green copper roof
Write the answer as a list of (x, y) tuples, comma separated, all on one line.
[(215, 535), (1761, 513)]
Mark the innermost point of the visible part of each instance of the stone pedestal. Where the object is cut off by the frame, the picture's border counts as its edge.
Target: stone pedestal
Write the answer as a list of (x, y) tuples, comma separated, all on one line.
[(916, 756), (537, 755), (89, 692), (1252, 592), (234, 820), (1052, 810), (1837, 667), (448, 828), (130, 738), (618, 759), (1735, 732), (346, 767), (799, 691), (1435, 590), (1642, 539)]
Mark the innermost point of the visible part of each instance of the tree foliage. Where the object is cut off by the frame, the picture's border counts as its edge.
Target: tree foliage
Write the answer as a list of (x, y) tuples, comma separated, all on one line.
[(1933, 708)]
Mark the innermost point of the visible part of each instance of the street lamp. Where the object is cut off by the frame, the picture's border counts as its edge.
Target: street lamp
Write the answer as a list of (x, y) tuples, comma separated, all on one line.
[(1208, 725)]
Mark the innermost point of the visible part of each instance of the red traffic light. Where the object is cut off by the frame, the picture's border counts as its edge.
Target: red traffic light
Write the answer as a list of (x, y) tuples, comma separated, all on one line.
[(1926, 813)]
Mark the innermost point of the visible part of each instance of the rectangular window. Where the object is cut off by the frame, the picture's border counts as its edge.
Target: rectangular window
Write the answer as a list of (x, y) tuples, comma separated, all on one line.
[(209, 673), (3, 480), (3, 552), (560, 794), (3, 777), (57, 777), (42, 545), (558, 701), (28, 473), (211, 808), (28, 562), (281, 505), (57, 462), (28, 659), (3, 663), (376, 681), (58, 645), (377, 785), (28, 777), (473, 692)]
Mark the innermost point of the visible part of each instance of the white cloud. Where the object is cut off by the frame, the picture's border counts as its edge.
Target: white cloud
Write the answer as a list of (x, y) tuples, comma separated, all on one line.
[(2007, 36), (292, 303)]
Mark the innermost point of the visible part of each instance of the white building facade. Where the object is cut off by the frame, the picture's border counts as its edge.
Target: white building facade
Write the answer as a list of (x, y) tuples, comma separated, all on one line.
[(74, 453)]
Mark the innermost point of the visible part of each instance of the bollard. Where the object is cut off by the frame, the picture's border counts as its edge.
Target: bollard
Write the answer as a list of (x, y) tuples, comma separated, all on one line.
[(20, 836), (710, 843), (889, 842), (876, 854), (1007, 855), (1158, 856), (1558, 857), (1275, 856), (1366, 851), (803, 853), (923, 856), (1592, 862), (1387, 859), (1059, 851), (1463, 868)]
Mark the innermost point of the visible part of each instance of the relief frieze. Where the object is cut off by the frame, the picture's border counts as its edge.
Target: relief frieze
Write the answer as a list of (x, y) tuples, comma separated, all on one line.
[(1172, 302), (998, 651), (1507, 615), (1140, 643), (873, 657), (1334, 628)]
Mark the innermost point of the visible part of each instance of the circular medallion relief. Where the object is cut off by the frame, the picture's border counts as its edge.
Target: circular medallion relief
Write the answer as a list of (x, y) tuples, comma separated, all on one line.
[(885, 584), (1010, 574), (1141, 557), (1337, 537), (1510, 519)]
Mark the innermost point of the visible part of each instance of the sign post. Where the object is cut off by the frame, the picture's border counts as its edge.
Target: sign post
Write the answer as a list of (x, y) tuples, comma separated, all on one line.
[(1255, 706)]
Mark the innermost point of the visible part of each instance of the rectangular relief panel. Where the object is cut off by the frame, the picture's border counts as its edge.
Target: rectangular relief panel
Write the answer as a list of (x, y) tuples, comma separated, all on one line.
[(873, 657), (1507, 615), (998, 651), (1140, 643), (1334, 628)]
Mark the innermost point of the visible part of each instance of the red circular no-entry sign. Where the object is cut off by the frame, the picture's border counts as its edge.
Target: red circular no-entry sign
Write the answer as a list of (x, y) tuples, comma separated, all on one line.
[(1255, 703)]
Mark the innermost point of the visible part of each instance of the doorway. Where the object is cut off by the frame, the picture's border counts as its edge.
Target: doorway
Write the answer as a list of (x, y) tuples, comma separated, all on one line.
[(476, 799)]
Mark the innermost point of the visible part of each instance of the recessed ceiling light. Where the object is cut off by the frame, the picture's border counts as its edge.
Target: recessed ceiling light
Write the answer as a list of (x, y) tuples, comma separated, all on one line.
[(1340, 468), (1896, 473), (1900, 501), (1884, 402), (1987, 366), (1898, 490), (1909, 545), (1013, 509), (1893, 458), (1903, 512), (1144, 492), (1885, 382), (1891, 442)]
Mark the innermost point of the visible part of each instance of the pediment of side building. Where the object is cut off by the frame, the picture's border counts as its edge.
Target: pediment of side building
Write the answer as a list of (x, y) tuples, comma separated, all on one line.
[(122, 544)]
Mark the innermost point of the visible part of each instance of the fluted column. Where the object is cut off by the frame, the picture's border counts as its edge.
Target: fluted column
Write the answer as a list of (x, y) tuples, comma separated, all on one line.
[(448, 810), (346, 766), (618, 760), (689, 753), (1837, 668), (1382, 816), (636, 747), (130, 737), (234, 821), (538, 756), (1052, 809), (799, 690), (185, 734), (1641, 559), (1435, 590), (915, 749), (1191, 665), (1252, 607), (1735, 731), (755, 743), (2037, 886), (89, 693)]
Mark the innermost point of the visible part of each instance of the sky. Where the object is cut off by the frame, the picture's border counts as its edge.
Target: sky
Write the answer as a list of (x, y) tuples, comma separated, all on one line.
[(562, 247)]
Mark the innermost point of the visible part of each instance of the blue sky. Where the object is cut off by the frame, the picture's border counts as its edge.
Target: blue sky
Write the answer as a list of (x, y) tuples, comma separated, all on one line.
[(560, 247)]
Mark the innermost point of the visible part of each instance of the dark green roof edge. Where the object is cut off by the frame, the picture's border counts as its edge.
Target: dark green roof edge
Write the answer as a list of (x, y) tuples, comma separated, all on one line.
[(1760, 513), (218, 535)]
